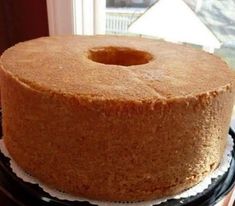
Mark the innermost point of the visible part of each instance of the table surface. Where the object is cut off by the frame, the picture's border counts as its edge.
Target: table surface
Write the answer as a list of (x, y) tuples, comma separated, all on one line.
[(229, 200)]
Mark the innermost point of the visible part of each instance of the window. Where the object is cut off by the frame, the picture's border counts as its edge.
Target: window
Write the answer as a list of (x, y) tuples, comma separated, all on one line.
[(121, 14)]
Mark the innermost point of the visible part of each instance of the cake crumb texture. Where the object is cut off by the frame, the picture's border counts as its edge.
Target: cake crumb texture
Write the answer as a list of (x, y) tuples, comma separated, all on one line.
[(82, 118)]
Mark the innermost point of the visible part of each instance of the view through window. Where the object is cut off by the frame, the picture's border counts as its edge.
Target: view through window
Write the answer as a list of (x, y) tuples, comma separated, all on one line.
[(121, 13)]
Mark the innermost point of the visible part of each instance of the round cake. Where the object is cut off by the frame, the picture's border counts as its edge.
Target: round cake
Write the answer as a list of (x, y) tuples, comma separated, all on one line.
[(115, 118)]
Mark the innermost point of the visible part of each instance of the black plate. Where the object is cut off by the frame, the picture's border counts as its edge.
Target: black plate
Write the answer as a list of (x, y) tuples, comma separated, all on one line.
[(15, 192)]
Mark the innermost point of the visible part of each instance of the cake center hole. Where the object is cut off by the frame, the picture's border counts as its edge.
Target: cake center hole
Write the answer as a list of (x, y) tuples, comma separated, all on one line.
[(119, 56)]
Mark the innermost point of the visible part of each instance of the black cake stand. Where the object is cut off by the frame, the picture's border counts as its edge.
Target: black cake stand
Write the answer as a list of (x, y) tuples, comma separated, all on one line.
[(15, 192)]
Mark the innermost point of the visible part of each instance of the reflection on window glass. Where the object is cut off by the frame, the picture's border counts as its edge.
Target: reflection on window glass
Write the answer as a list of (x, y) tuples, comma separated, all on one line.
[(218, 16)]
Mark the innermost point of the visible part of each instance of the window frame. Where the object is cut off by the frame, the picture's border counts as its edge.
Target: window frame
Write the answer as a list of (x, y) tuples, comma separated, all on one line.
[(84, 17)]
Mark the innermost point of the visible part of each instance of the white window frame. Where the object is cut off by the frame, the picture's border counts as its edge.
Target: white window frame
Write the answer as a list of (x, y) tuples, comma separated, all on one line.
[(86, 17)]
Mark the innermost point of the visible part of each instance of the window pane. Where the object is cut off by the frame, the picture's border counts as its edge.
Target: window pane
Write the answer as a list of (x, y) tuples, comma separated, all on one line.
[(121, 13)]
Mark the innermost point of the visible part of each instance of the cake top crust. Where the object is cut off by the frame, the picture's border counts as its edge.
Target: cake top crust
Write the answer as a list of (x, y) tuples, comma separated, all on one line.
[(115, 68)]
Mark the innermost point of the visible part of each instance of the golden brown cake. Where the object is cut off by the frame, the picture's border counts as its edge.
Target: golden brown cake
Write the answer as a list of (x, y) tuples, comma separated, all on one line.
[(115, 118)]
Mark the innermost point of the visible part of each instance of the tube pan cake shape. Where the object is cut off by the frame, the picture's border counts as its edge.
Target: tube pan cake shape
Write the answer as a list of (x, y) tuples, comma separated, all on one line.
[(115, 118)]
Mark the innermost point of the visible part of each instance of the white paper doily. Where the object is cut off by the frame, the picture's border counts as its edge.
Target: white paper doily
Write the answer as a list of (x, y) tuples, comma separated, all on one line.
[(223, 167)]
